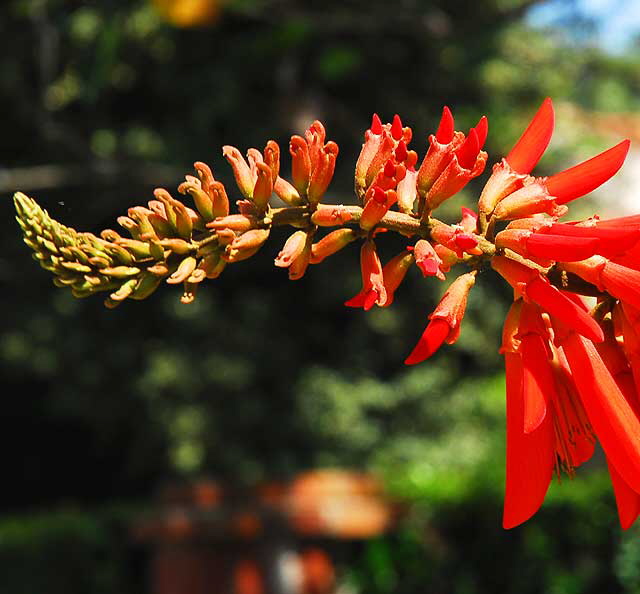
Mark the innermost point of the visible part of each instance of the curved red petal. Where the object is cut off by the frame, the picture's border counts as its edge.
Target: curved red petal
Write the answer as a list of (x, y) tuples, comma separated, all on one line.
[(564, 309), (444, 135), (610, 415), (376, 124), (396, 127), (530, 457), (622, 282), (482, 129), (534, 140), (588, 175), (468, 152), (432, 338), (627, 500), (562, 248), (538, 384)]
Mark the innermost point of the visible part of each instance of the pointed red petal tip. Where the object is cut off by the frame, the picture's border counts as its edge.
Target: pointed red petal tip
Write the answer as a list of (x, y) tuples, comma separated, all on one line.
[(468, 152), (376, 124), (530, 456), (389, 169), (587, 176), (627, 500), (534, 140), (430, 341), (379, 196), (396, 127), (482, 129), (401, 151), (444, 135), (564, 309)]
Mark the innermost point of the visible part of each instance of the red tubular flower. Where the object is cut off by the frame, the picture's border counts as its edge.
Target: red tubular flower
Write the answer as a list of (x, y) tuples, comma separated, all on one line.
[(293, 247), (530, 455), (312, 162), (612, 417), (427, 259), (534, 287), (441, 148), (376, 206), (612, 241), (451, 161), (373, 289), (384, 146), (454, 238), (331, 243), (550, 194), (526, 153), (394, 272), (244, 177), (510, 174), (588, 175), (619, 281), (445, 319), (549, 247), (537, 379)]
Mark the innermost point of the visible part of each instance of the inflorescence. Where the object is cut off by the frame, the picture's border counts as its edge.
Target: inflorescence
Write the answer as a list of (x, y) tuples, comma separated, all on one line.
[(573, 374)]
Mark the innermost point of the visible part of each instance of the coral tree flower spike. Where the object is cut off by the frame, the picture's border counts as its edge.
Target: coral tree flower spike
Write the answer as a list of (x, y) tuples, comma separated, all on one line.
[(526, 153)]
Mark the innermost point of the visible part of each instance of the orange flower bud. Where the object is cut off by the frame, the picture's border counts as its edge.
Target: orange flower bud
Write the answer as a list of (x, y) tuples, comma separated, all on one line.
[(331, 243)]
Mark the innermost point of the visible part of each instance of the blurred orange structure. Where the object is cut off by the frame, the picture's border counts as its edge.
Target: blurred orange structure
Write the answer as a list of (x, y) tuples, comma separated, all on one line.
[(189, 13), (273, 539)]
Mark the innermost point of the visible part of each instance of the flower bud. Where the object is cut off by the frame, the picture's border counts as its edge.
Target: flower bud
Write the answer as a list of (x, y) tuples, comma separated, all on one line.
[(331, 243)]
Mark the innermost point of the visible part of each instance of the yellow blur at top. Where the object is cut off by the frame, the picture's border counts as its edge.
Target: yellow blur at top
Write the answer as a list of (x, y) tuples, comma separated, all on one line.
[(188, 13)]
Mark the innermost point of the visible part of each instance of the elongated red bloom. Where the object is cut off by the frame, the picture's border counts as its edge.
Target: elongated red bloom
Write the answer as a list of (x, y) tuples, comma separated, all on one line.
[(627, 500), (530, 456), (445, 319), (537, 379), (526, 153), (529, 282), (431, 340), (587, 176), (373, 290)]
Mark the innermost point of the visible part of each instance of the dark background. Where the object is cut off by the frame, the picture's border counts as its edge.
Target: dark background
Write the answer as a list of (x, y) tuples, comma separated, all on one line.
[(261, 378)]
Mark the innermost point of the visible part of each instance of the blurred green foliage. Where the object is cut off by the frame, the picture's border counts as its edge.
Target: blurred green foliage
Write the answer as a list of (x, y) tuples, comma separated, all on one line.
[(261, 378)]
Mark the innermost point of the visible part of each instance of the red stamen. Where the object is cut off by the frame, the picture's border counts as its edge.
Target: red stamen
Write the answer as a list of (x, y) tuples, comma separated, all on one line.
[(444, 135), (587, 176), (468, 152), (534, 140), (396, 127)]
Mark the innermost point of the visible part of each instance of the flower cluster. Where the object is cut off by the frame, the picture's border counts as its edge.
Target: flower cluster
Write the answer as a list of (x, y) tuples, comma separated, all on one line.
[(573, 373)]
